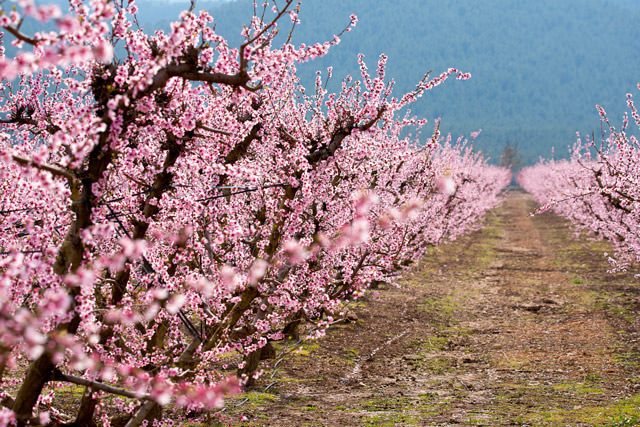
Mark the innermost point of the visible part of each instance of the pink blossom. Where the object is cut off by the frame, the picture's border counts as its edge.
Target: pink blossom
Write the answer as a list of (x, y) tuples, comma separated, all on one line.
[(7, 417), (103, 51), (229, 277), (445, 185), (175, 303), (294, 251), (257, 271), (132, 249)]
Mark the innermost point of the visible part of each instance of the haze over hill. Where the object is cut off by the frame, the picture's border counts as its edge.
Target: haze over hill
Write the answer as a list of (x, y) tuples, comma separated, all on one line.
[(538, 67)]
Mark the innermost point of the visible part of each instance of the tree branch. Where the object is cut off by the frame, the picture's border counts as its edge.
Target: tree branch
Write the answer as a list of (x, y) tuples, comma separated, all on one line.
[(22, 120), (208, 129), (141, 414), (325, 151), (54, 170), (190, 72), (59, 376), (21, 36), (366, 126), (243, 59)]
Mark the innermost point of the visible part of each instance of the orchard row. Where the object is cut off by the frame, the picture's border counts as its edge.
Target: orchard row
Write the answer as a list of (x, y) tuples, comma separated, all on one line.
[(170, 214), (598, 189)]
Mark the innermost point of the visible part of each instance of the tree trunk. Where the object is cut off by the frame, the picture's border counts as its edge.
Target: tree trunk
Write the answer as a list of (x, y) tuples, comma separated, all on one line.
[(39, 373), (86, 411)]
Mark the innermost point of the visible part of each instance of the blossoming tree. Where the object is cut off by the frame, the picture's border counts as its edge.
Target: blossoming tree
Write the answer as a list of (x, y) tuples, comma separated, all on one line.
[(168, 214), (598, 188)]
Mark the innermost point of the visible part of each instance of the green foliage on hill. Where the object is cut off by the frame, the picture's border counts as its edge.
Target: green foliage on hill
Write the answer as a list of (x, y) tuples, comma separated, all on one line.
[(630, 4), (539, 67)]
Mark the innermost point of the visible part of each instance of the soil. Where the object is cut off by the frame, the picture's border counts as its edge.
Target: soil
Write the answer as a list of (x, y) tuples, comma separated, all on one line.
[(518, 323)]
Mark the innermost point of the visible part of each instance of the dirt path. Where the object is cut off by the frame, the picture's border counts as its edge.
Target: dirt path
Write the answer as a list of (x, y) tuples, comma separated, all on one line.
[(516, 324)]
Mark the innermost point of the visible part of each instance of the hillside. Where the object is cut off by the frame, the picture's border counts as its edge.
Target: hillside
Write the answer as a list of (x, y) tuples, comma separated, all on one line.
[(538, 69)]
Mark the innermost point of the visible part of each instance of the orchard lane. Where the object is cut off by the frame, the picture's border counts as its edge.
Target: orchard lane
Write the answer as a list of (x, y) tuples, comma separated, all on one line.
[(516, 324)]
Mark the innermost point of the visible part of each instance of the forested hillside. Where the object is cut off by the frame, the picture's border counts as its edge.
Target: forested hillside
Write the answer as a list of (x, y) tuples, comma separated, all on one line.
[(539, 68), (630, 4)]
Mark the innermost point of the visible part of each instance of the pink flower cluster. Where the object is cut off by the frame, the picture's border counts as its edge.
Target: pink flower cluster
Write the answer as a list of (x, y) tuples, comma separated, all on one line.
[(598, 189)]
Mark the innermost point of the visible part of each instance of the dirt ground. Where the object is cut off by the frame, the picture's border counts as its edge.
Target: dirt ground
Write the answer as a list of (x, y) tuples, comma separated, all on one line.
[(518, 323)]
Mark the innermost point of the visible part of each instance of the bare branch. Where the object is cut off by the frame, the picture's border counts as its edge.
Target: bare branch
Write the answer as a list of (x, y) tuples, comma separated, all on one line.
[(21, 36), (208, 129), (54, 170), (22, 120), (59, 376)]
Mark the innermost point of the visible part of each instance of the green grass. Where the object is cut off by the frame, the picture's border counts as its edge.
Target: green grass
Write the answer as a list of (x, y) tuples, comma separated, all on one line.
[(615, 414), (624, 421)]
